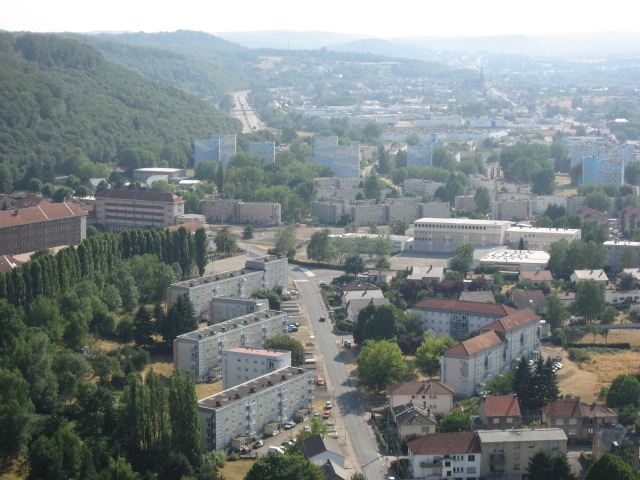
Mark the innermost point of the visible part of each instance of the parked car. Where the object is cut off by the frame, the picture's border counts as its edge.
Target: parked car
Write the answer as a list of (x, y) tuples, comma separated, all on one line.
[(322, 319), (307, 428), (288, 425), (317, 414), (245, 449), (292, 329), (326, 414), (328, 405), (258, 444), (559, 365), (320, 382)]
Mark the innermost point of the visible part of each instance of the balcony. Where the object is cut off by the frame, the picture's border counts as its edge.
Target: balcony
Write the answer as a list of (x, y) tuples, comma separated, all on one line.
[(496, 459), (435, 463)]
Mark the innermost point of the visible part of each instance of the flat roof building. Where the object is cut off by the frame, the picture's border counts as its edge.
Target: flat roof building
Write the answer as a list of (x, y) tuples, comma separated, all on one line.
[(241, 364), (540, 238), (516, 260), (446, 234)]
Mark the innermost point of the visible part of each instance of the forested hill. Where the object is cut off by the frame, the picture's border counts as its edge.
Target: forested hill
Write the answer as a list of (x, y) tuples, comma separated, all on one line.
[(61, 100)]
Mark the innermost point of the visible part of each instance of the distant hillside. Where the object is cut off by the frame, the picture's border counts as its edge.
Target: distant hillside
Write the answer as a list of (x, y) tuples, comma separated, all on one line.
[(203, 78), (60, 101)]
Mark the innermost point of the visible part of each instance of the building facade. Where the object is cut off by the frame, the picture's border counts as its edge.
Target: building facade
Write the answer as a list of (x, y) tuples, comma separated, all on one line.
[(446, 455), (222, 309), (266, 151), (540, 238), (262, 273), (201, 351), (343, 160), (241, 364), (615, 249), (218, 148), (446, 234), (45, 226), (118, 210), (420, 155), (433, 395), (243, 411), (218, 210), (603, 168)]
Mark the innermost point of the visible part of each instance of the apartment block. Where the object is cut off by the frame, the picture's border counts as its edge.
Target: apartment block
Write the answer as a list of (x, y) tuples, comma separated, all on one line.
[(445, 234), (45, 226), (615, 249), (219, 210), (540, 238), (330, 212), (266, 151), (118, 210), (590, 148), (422, 188), (218, 148), (241, 364), (200, 352), (420, 155), (513, 209), (506, 453), (343, 160), (241, 413), (263, 273), (142, 174), (222, 309), (603, 169)]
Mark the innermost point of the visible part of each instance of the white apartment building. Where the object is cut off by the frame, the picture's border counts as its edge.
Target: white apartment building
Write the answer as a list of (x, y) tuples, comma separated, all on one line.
[(615, 249), (262, 273), (241, 364), (446, 234), (540, 238), (200, 352), (222, 309), (243, 411), (446, 455)]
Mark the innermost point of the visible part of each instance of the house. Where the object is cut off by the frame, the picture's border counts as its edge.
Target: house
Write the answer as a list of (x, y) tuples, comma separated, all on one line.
[(591, 215), (332, 471), (354, 306), (532, 301), (468, 365), (506, 453), (457, 318), (433, 395), (427, 274), (537, 277), (616, 439), (378, 276), (411, 420), (445, 455), (498, 412), (319, 449), (583, 275), (358, 290), (579, 422)]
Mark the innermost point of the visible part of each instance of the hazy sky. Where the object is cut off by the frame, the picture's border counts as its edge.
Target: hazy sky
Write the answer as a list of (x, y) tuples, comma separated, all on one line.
[(390, 19)]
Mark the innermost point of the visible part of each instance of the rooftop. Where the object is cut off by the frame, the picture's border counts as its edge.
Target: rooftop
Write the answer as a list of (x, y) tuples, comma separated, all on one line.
[(537, 275), (446, 443), (409, 414), (564, 408), (516, 256), (532, 299), (433, 387), (513, 321), (238, 322), (494, 309), (522, 435), (224, 275), (41, 213), (475, 345), (461, 221), (258, 351), (501, 406), (527, 229), (597, 275), (140, 195)]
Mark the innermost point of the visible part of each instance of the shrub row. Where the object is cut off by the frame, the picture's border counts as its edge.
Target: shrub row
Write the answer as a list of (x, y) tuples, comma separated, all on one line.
[(619, 346)]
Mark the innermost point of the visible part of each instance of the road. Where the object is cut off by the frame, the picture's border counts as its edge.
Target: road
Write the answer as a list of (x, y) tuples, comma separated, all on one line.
[(352, 415), (244, 112)]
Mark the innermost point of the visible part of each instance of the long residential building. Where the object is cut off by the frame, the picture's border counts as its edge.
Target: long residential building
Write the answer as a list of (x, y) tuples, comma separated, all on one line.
[(118, 210), (241, 413), (241, 364), (343, 160), (201, 351), (446, 234), (262, 273), (218, 210), (45, 226)]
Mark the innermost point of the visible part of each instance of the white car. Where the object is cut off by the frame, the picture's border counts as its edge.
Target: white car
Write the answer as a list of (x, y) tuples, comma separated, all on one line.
[(288, 425), (559, 365), (307, 428), (328, 406)]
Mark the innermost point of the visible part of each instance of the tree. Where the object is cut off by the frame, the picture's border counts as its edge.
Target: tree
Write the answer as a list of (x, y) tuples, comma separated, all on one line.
[(608, 315), (226, 241), (398, 226), (483, 200), (624, 390), (183, 415), (383, 263), (201, 250), (427, 358), (462, 258), (320, 247), (372, 186), (354, 264), (502, 384), (456, 421), (181, 318), (590, 300), (610, 466), (546, 466), (285, 342), (598, 201), (543, 182), (275, 302), (377, 322), (380, 363), (283, 467), (247, 232), (555, 314), (16, 413), (521, 244), (285, 240), (522, 381)]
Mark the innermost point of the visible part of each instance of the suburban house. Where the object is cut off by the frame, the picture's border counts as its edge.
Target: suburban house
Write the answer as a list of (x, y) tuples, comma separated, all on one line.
[(468, 365), (506, 453), (532, 301), (583, 275), (433, 395), (457, 318), (332, 471), (498, 412), (446, 455), (614, 439), (358, 290), (378, 276), (411, 420), (579, 422), (537, 277), (426, 274), (354, 306), (319, 449)]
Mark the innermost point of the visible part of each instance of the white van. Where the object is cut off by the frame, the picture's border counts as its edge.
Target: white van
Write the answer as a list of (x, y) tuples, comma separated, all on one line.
[(275, 450)]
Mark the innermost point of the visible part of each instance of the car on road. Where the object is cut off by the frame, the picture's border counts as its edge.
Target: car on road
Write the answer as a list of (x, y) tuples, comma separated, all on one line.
[(292, 329), (307, 428), (323, 284), (326, 414), (322, 319), (558, 365), (320, 382), (258, 444), (288, 425), (328, 405), (317, 414)]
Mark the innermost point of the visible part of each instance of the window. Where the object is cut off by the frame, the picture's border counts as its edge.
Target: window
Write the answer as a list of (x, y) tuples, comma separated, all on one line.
[(532, 445), (516, 466), (559, 421), (496, 420), (471, 458), (516, 456), (516, 445)]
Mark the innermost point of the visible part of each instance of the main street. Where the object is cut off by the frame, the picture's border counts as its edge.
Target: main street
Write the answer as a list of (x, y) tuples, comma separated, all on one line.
[(352, 419)]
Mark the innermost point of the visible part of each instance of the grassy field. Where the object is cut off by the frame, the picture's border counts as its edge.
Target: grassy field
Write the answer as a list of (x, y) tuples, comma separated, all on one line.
[(236, 470)]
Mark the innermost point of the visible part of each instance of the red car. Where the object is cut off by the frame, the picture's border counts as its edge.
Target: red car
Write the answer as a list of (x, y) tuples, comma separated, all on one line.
[(326, 414), (320, 382)]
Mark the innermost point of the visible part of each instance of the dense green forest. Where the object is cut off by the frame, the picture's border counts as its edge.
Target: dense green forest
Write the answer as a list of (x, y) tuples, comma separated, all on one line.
[(61, 102)]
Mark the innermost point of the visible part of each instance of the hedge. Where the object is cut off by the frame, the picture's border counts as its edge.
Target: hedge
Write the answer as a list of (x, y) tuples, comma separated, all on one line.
[(619, 346)]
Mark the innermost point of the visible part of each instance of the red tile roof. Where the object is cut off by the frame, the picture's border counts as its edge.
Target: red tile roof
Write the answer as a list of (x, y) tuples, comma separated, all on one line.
[(41, 213), (563, 408), (513, 321), (476, 344), (8, 262), (142, 195), (458, 443), (537, 275), (464, 306), (501, 406), (31, 201), (413, 388)]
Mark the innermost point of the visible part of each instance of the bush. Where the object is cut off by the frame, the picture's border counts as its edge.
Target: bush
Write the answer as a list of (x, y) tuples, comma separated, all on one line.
[(619, 346)]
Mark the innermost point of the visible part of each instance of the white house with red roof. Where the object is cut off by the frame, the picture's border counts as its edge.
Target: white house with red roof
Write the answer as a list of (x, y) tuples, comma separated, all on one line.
[(446, 455), (456, 318), (431, 394), (468, 365)]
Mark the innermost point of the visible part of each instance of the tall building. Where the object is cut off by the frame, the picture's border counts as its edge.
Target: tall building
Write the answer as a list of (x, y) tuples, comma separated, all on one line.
[(118, 210), (420, 155), (45, 226), (343, 160), (218, 148), (603, 168), (265, 150), (241, 364), (219, 210), (445, 234)]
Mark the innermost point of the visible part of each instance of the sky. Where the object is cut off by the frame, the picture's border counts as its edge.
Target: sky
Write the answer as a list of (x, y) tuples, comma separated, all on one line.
[(376, 19)]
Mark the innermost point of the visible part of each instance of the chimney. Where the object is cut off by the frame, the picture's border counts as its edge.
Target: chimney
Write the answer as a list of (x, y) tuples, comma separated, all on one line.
[(16, 213)]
